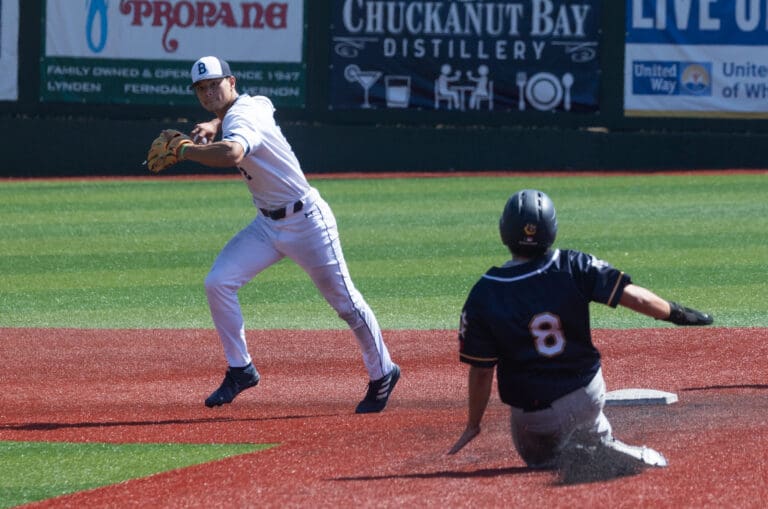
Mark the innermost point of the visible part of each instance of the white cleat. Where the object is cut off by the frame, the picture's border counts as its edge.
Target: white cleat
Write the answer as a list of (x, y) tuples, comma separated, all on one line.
[(645, 454), (653, 458)]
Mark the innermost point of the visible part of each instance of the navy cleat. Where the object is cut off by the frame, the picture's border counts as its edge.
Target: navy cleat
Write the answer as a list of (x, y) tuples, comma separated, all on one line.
[(378, 392), (236, 380)]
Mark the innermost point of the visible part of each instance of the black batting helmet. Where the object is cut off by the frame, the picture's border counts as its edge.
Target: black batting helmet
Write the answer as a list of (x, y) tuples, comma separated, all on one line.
[(528, 225)]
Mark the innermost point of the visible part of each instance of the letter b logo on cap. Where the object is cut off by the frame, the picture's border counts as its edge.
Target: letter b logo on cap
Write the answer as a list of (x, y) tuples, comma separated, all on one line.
[(209, 68)]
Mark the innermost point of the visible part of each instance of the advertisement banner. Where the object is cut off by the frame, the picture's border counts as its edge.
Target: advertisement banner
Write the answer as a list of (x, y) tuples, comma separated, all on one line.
[(141, 51), (696, 59), (463, 55), (9, 50)]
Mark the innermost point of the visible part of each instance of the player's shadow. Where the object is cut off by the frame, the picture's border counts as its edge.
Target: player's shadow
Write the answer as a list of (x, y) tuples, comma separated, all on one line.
[(53, 426), (443, 474), (605, 467), (735, 386), (565, 475)]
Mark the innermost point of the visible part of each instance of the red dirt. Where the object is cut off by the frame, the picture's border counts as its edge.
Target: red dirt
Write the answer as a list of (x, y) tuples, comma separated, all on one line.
[(148, 386)]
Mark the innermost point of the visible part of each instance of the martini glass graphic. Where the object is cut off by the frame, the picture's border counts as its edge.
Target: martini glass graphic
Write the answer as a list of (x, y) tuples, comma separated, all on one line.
[(366, 79)]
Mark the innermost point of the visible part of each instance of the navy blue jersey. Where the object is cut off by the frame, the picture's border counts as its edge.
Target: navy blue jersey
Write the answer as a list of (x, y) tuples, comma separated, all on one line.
[(531, 321)]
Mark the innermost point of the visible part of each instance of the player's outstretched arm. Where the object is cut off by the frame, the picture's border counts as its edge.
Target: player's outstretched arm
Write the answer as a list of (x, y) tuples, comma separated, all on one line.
[(220, 154), (480, 382), (645, 301)]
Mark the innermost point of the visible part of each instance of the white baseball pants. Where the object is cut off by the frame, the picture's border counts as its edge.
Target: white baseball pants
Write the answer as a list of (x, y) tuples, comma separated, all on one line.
[(539, 436), (310, 238)]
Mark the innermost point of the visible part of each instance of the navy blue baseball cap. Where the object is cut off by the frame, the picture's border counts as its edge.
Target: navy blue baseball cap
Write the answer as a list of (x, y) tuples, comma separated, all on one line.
[(208, 68)]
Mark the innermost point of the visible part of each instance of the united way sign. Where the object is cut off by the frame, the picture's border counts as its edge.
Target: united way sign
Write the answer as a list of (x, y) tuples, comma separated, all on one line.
[(463, 55), (696, 58)]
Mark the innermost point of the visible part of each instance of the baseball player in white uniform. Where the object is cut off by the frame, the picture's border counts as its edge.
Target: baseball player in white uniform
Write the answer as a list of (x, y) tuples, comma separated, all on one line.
[(294, 222)]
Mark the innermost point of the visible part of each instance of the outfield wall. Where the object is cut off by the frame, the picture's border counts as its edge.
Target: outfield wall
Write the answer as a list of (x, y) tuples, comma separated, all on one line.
[(49, 138)]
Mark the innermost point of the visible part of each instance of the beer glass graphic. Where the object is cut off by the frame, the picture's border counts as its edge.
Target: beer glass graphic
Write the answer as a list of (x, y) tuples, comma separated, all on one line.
[(398, 91)]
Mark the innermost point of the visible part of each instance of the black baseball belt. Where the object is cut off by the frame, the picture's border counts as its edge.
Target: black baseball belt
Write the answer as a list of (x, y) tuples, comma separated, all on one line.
[(282, 212)]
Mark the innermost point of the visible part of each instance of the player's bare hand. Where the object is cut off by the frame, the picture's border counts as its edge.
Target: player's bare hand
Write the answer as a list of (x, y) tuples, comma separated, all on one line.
[(204, 132), (470, 432)]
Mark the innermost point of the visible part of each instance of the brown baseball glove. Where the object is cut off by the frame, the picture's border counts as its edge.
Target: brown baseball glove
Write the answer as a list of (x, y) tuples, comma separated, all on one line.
[(164, 151)]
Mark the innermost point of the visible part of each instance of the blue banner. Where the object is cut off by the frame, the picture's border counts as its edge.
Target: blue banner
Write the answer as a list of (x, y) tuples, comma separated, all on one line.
[(9, 50), (716, 22), (671, 78), (463, 55), (705, 58)]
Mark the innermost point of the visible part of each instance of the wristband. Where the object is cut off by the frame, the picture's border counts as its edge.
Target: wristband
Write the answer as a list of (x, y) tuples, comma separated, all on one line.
[(181, 151)]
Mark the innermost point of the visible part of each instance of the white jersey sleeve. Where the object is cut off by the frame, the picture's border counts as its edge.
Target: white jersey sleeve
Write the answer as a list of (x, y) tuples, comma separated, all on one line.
[(270, 167)]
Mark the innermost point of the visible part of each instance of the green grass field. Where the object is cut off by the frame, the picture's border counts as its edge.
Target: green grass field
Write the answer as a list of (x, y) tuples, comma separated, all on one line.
[(133, 253), (33, 471)]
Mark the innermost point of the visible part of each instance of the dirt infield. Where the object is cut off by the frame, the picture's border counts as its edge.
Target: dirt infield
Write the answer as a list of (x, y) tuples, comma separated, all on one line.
[(148, 386)]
